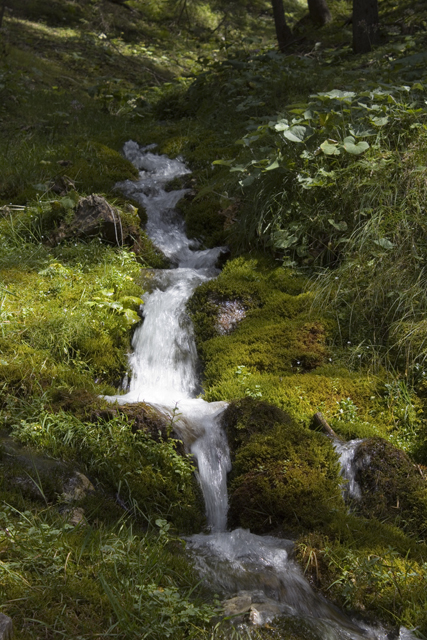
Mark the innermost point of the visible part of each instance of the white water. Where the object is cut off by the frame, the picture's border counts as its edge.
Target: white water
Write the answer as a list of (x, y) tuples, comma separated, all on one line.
[(164, 358), (346, 452), (164, 373)]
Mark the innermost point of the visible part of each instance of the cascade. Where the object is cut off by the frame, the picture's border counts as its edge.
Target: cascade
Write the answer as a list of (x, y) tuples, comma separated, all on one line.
[(255, 573), (346, 452)]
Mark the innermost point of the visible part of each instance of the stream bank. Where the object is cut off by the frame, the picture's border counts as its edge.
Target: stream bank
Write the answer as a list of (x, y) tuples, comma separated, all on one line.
[(164, 374)]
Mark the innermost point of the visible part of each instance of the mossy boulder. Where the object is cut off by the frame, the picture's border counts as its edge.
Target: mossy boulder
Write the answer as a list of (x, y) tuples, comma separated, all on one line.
[(203, 219), (93, 216), (276, 336), (27, 474), (95, 167), (284, 477), (247, 417), (393, 488)]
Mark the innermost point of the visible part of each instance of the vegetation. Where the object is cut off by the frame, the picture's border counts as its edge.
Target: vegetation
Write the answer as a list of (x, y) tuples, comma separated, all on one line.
[(310, 165)]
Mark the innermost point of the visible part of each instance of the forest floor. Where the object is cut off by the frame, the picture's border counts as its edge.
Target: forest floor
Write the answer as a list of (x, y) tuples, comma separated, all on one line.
[(310, 166)]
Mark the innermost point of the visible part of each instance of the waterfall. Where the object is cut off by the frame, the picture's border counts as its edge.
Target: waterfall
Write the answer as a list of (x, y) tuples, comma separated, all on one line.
[(164, 357), (346, 452), (256, 574)]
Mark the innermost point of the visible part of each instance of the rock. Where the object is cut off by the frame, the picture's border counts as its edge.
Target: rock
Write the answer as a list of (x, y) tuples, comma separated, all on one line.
[(237, 605), (76, 487), (263, 612), (393, 489), (93, 217), (142, 417), (77, 516), (6, 627), (230, 313)]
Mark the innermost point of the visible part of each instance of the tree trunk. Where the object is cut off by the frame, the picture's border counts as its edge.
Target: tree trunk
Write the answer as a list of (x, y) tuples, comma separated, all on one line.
[(2, 8), (319, 12), (365, 25), (283, 32)]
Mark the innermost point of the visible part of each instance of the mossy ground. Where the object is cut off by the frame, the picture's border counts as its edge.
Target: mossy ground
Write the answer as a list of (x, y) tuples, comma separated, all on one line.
[(77, 79), (284, 478)]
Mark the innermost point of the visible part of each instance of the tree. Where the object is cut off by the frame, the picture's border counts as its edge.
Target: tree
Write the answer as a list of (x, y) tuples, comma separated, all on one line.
[(2, 10), (283, 32), (319, 12), (365, 25)]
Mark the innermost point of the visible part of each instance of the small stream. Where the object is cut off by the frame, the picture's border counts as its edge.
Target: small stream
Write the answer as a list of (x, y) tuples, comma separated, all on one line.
[(255, 575)]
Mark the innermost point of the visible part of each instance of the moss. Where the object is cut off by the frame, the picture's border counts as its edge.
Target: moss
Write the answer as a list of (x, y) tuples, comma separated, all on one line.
[(259, 285), (203, 219), (244, 418), (373, 572), (96, 167), (284, 477), (72, 335), (393, 489)]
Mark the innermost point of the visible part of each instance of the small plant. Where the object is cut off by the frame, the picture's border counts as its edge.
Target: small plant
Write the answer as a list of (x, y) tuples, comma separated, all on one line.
[(243, 377), (347, 410)]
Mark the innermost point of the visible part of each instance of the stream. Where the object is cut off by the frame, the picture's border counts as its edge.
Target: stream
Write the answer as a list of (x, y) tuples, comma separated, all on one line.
[(255, 575)]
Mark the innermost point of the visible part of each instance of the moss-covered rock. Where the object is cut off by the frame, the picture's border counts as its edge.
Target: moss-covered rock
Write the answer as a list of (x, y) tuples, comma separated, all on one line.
[(203, 219), (277, 334), (284, 477), (393, 488), (246, 417), (96, 167), (369, 568)]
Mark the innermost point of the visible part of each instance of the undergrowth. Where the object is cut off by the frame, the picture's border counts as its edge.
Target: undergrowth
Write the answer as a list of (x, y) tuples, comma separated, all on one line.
[(84, 581)]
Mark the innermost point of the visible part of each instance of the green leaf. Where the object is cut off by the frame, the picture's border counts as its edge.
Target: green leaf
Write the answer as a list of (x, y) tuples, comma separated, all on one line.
[(130, 302), (339, 226), (361, 131), (273, 165), (131, 316), (330, 148), (296, 134), (225, 163), (281, 125), (247, 181), (283, 240), (384, 243), (336, 94), (355, 149), (67, 203), (379, 122)]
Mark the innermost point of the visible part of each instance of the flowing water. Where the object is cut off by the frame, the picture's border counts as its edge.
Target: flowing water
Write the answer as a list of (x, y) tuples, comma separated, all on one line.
[(256, 575), (346, 452)]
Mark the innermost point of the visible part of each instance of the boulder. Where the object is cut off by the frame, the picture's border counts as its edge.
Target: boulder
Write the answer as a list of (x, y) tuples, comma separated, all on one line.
[(6, 627), (393, 488), (94, 216), (237, 606), (77, 487)]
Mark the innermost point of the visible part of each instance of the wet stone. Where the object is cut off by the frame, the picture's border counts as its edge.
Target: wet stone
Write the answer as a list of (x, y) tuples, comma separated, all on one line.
[(238, 605), (263, 612)]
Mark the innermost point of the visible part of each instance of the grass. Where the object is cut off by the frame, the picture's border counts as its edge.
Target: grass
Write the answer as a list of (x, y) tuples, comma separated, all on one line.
[(143, 584)]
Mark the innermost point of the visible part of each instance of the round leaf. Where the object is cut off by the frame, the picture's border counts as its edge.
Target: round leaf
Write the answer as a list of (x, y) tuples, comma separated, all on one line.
[(295, 134), (330, 148), (355, 149)]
